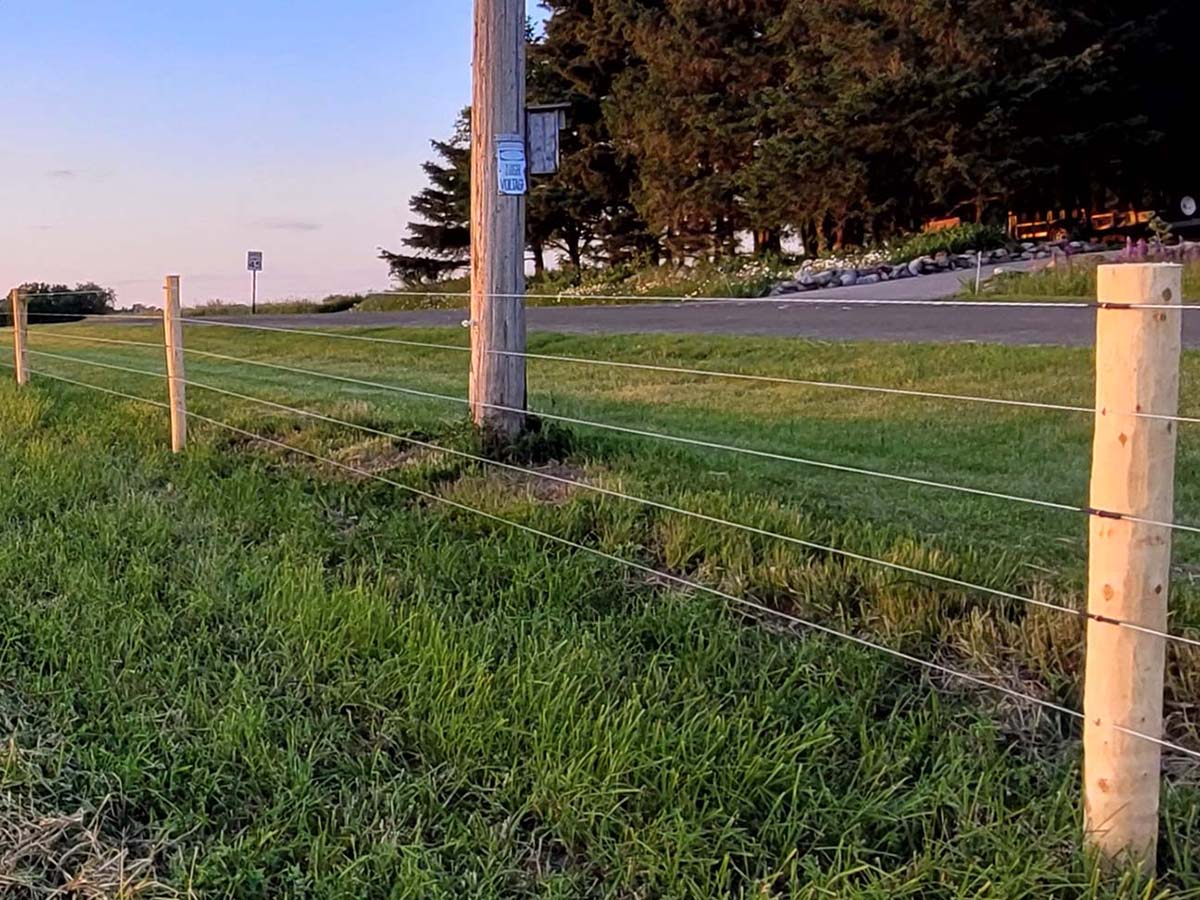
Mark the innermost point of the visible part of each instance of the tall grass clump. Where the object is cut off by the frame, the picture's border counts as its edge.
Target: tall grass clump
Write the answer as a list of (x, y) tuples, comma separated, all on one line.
[(1070, 280), (964, 238)]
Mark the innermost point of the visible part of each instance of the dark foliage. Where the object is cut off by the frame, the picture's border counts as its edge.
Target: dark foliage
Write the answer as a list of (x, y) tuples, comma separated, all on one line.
[(58, 302), (695, 123)]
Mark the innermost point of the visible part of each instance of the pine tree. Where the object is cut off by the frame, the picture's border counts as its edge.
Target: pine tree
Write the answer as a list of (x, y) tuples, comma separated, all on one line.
[(442, 234), (693, 123), (584, 50)]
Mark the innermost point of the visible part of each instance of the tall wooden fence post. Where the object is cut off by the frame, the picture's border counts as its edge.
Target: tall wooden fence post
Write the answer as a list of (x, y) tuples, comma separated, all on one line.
[(20, 327), (1133, 473), (497, 391), (173, 340)]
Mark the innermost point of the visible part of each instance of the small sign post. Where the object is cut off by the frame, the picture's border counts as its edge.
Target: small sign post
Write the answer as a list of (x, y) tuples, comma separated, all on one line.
[(254, 262)]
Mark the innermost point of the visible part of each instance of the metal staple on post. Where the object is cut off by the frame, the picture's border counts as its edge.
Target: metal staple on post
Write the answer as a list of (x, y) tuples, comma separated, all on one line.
[(176, 378), (1133, 469)]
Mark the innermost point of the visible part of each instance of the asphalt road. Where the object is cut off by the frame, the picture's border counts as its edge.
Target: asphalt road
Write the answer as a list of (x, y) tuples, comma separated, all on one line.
[(866, 322), (859, 320)]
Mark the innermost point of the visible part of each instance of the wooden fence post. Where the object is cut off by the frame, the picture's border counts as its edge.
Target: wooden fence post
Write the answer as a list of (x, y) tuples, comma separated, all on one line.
[(20, 327), (1133, 472), (173, 340)]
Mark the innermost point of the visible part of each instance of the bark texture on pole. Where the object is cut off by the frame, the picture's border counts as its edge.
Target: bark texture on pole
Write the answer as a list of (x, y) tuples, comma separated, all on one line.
[(1133, 472), (173, 341), (20, 327), (497, 223)]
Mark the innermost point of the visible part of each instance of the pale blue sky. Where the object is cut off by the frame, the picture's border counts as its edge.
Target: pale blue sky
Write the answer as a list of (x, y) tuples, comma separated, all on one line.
[(140, 137)]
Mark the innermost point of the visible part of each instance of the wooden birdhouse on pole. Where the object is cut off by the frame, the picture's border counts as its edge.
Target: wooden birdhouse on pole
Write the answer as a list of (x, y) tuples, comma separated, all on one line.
[(545, 123)]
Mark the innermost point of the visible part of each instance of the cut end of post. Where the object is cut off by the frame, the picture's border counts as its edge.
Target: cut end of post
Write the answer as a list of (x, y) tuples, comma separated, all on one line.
[(1140, 284)]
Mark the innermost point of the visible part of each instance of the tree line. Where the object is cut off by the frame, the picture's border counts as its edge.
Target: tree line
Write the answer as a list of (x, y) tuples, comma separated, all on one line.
[(695, 123), (50, 303)]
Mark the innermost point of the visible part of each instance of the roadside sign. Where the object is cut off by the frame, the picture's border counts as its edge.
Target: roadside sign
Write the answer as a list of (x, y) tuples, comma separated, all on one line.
[(510, 162), (254, 261)]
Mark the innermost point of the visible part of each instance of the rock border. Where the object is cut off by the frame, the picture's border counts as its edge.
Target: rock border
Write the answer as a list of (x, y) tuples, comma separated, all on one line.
[(821, 274)]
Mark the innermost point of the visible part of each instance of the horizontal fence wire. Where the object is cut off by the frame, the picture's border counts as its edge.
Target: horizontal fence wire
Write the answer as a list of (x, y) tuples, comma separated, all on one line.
[(742, 376), (744, 603), (113, 367), (712, 445), (147, 317), (336, 335), (58, 336), (677, 370), (796, 300), (588, 486), (793, 299), (30, 295)]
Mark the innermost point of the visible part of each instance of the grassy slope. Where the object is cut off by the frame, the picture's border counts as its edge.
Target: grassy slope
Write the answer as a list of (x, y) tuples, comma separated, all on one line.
[(317, 686), (1070, 282)]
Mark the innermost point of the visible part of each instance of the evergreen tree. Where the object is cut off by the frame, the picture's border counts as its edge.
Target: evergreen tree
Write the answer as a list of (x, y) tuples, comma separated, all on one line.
[(583, 51), (442, 234), (694, 123)]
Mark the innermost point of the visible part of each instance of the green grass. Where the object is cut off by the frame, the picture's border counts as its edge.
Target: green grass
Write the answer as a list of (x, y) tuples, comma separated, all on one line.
[(311, 685), (1066, 281)]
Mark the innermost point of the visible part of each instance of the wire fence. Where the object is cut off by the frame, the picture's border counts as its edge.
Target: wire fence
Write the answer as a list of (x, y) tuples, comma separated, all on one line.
[(587, 486), (699, 377)]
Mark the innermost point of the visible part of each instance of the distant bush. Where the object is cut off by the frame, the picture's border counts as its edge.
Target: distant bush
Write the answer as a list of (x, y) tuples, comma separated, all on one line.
[(732, 276), (959, 239), (439, 295), (57, 302), (331, 304)]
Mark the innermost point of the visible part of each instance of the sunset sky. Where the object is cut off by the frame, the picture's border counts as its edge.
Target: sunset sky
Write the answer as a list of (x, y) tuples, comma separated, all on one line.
[(141, 138)]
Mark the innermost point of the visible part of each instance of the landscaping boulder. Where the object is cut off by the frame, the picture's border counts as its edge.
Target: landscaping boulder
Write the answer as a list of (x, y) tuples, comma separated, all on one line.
[(786, 287)]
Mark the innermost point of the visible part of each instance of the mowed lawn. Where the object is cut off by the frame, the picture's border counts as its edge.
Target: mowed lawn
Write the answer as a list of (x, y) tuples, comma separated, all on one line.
[(275, 678)]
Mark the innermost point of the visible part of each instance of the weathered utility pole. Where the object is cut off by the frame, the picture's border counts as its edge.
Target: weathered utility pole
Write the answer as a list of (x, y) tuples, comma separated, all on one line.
[(498, 187)]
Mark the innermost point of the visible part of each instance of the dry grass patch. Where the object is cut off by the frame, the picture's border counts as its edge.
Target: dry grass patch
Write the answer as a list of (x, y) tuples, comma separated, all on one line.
[(378, 455), (547, 483), (50, 855)]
